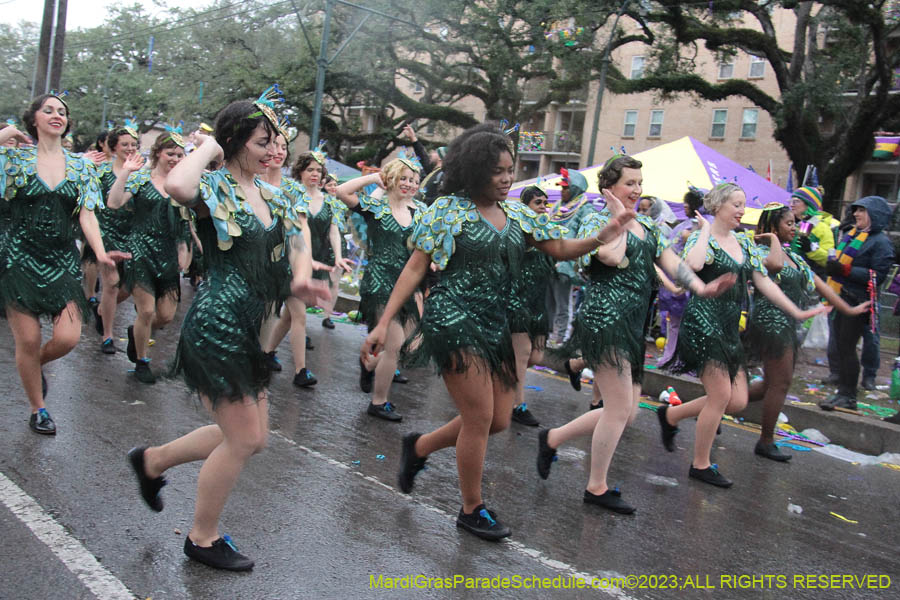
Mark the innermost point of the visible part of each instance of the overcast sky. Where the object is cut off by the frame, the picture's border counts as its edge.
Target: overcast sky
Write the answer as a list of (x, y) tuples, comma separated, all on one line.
[(81, 13)]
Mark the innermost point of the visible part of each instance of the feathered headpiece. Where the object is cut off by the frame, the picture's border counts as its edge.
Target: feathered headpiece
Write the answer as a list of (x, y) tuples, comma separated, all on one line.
[(283, 124), (412, 162), (510, 133), (266, 104), (175, 133), (131, 127), (319, 154), (61, 97), (615, 154)]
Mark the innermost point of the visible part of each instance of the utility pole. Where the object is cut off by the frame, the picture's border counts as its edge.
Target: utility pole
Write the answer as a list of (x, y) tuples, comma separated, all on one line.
[(49, 62), (602, 83)]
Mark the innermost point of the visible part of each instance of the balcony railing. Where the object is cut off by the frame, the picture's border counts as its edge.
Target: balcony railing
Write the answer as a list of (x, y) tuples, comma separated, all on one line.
[(567, 142)]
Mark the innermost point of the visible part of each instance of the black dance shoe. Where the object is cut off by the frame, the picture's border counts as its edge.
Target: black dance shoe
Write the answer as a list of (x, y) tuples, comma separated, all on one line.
[(410, 464), (143, 373), (400, 377), (221, 555), (40, 422), (149, 487), (98, 320), (611, 500), (546, 455), (483, 523), (327, 323), (305, 378), (592, 406), (574, 378), (521, 414), (385, 411), (711, 476), (309, 344), (666, 431), (771, 451), (272, 362), (107, 346)]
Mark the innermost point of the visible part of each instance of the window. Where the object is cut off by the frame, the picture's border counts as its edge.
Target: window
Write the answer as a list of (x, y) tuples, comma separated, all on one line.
[(757, 67), (630, 123), (429, 129), (726, 70), (720, 117), (748, 123), (656, 123), (417, 88), (637, 67)]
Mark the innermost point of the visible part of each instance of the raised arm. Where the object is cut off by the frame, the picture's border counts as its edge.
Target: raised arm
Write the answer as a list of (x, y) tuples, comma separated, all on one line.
[(347, 191), (696, 257), (183, 182), (118, 197)]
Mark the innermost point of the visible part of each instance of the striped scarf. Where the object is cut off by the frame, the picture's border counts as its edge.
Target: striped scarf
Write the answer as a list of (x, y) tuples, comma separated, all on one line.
[(846, 252)]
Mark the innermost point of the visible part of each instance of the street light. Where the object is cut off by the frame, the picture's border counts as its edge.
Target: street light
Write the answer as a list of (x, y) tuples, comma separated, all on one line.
[(106, 89), (603, 69)]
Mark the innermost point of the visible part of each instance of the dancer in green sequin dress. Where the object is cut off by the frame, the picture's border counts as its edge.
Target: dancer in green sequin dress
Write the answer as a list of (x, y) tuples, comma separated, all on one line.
[(245, 225), (529, 322), (46, 190), (152, 275), (326, 227), (115, 225), (390, 220), (772, 334), (477, 239), (708, 341), (307, 174), (609, 326)]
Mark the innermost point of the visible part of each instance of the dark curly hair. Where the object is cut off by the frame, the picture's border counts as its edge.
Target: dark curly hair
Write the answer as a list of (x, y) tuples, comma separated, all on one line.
[(101, 137), (694, 200), (236, 123), (769, 220), (471, 158), (112, 140), (530, 193), (304, 159), (34, 107), (612, 171)]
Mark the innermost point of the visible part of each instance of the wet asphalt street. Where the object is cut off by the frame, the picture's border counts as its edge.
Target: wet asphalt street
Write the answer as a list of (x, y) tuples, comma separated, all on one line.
[(320, 513)]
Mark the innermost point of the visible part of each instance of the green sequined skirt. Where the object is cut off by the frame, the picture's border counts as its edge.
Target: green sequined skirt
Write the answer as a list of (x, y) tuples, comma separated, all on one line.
[(153, 266), (456, 335), (219, 354), (709, 338), (375, 291), (770, 332), (40, 280), (608, 330)]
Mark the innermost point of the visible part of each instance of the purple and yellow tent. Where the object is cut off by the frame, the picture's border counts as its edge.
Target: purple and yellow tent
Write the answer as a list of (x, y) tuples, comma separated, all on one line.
[(669, 169)]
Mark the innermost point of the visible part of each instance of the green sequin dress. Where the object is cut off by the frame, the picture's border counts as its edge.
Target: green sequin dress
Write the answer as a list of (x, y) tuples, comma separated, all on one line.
[(157, 228), (219, 353), (333, 212), (115, 225), (39, 264), (467, 311), (528, 301), (387, 252), (296, 195), (608, 328), (709, 336), (771, 332)]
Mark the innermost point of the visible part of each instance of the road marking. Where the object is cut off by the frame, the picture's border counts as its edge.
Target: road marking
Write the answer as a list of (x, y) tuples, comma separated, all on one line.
[(536, 555), (67, 549)]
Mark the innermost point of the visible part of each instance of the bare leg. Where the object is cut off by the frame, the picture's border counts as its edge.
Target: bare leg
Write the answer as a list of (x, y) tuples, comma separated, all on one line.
[(334, 280), (278, 331), (66, 333), (778, 375), (721, 395), (619, 407), (522, 347), (145, 304), (387, 363), (26, 330), (109, 298), (89, 282), (298, 332)]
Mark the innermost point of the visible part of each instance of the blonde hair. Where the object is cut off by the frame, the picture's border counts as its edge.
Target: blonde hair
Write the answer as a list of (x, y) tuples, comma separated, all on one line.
[(390, 173), (714, 200)]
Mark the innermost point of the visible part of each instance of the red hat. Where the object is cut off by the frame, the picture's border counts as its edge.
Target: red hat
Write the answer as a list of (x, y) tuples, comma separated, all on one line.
[(564, 182)]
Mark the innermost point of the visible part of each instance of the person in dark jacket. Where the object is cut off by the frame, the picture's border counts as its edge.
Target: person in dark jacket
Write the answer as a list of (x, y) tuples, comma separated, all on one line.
[(863, 258)]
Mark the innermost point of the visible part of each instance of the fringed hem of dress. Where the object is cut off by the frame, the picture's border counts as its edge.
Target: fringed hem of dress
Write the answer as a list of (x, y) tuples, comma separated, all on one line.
[(372, 308), (224, 384), (767, 343), (49, 299), (613, 346), (435, 349)]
